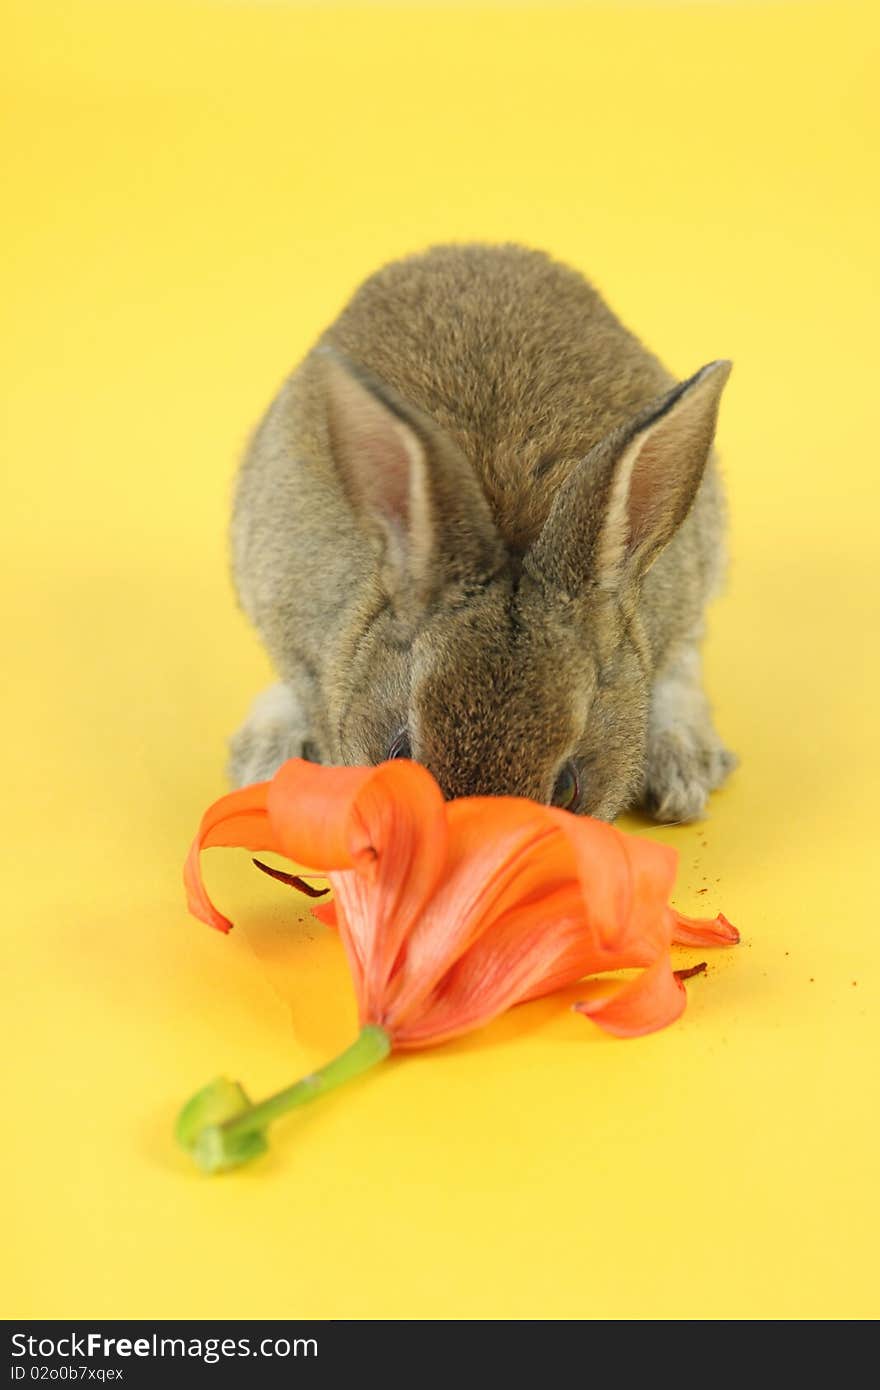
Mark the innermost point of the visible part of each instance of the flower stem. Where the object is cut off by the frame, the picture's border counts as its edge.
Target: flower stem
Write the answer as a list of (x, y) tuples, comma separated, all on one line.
[(221, 1129), (371, 1046)]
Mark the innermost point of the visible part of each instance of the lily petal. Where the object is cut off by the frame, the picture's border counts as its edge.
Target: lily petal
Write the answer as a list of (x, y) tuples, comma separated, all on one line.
[(626, 884), (239, 819), (508, 964), (557, 895), (385, 824), (314, 808), (702, 931), (523, 861), (325, 912), (650, 1001)]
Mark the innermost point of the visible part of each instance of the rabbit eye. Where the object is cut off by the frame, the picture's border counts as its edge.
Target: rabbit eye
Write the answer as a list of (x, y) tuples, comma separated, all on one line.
[(400, 746), (567, 788)]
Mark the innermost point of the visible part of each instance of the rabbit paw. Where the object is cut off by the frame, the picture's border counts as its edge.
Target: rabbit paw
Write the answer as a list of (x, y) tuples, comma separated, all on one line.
[(274, 731), (685, 759), (682, 769)]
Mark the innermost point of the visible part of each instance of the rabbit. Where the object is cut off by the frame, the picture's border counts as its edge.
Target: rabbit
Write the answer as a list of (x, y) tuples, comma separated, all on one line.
[(478, 527)]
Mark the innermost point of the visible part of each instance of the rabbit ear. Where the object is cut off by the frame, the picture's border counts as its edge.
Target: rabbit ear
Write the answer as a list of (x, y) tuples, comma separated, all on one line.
[(624, 502), (408, 481)]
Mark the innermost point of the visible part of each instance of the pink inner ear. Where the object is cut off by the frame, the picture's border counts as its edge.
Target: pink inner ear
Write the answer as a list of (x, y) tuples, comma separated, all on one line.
[(370, 447), (670, 462), (650, 487), (385, 471), (668, 469)]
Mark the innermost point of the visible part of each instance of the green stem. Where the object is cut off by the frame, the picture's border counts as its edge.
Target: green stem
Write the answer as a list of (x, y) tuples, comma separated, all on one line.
[(222, 1129), (371, 1046)]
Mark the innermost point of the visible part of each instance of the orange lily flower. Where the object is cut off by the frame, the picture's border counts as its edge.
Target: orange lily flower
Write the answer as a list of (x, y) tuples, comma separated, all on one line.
[(450, 913)]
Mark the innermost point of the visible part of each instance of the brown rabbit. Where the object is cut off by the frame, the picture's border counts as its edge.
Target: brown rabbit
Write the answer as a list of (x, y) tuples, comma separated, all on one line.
[(478, 527)]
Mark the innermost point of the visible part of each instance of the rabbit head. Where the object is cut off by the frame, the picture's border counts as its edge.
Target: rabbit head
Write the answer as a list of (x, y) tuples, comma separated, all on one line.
[(510, 672)]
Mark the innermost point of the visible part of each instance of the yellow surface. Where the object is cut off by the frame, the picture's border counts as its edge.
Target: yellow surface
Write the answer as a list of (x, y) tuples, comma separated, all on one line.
[(190, 193)]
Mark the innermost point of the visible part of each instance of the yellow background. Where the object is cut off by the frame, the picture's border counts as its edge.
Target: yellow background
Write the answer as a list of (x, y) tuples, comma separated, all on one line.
[(190, 193)]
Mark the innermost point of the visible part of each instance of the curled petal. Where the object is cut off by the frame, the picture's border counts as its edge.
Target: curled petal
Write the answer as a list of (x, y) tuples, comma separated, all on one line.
[(239, 819), (388, 824), (701, 931), (626, 883), (650, 1001), (315, 811)]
